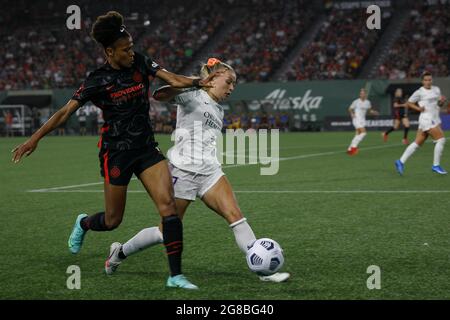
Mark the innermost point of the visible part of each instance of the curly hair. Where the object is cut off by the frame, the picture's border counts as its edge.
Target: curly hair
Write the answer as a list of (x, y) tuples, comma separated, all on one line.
[(109, 28)]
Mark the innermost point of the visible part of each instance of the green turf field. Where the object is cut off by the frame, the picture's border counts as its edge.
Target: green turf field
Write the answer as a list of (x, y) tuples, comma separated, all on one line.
[(330, 231)]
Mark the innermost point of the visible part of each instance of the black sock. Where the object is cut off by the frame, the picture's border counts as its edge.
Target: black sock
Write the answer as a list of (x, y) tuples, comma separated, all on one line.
[(390, 130), (95, 222), (173, 241), (405, 134)]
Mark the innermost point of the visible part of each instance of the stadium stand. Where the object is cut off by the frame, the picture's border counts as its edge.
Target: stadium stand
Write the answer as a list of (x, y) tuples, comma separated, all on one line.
[(338, 51), (423, 45)]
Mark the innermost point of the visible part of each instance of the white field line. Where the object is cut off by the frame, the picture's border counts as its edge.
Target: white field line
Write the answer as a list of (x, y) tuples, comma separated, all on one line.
[(275, 191), (305, 156)]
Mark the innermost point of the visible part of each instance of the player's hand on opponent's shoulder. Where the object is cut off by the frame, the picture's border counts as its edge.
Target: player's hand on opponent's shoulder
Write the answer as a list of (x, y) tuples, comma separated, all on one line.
[(207, 81), (25, 148)]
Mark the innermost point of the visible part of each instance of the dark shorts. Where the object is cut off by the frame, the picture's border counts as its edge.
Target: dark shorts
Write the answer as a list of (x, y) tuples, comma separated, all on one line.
[(118, 166), (400, 114)]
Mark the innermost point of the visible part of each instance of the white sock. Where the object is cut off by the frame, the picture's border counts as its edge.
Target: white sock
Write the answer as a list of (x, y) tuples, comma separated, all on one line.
[(353, 144), (357, 139), (243, 234), (144, 239), (409, 151), (438, 149)]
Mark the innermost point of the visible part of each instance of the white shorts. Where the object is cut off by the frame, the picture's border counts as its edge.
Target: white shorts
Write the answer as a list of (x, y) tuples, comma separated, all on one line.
[(426, 122), (359, 123), (189, 185)]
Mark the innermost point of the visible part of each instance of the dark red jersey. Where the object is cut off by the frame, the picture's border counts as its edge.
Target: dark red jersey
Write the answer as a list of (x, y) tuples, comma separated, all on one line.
[(123, 97)]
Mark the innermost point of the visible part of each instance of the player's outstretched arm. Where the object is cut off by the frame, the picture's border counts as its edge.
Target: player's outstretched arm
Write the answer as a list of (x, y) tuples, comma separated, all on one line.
[(179, 81), (57, 119), (166, 93)]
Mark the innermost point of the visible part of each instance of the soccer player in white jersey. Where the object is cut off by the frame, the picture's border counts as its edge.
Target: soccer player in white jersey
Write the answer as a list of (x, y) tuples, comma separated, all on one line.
[(358, 110), (427, 100), (197, 173)]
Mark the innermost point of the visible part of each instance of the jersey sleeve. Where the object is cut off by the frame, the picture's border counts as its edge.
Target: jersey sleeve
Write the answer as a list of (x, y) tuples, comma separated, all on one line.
[(87, 91), (438, 91), (415, 97), (183, 98), (353, 105)]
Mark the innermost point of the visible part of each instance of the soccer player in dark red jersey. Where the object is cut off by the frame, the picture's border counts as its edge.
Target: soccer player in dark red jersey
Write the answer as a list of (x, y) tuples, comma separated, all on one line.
[(400, 108), (120, 88)]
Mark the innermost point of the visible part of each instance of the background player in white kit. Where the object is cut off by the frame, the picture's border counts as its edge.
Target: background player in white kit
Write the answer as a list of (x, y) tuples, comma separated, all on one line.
[(197, 173), (429, 100), (358, 111)]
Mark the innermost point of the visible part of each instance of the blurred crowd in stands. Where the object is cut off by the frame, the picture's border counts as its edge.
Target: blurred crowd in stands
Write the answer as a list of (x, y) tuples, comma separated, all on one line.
[(259, 43), (339, 50), (423, 45), (255, 36)]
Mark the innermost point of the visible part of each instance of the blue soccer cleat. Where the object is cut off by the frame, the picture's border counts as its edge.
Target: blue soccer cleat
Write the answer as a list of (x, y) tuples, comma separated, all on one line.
[(400, 167), (180, 281), (438, 169), (77, 235)]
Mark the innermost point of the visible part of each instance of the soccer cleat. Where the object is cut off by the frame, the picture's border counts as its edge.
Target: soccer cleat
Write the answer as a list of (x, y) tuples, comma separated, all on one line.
[(400, 167), (385, 136), (180, 281), (113, 261), (405, 141), (438, 169), (352, 151), (276, 277), (77, 235)]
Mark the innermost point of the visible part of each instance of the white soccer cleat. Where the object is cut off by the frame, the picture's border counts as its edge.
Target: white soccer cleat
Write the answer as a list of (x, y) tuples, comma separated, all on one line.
[(276, 277), (113, 261)]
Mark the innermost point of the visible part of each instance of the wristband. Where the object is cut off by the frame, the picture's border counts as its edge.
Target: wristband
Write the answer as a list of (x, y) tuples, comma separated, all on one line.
[(196, 83)]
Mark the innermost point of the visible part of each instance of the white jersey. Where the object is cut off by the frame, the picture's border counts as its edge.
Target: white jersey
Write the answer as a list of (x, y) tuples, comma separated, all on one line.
[(428, 99), (199, 123), (360, 109)]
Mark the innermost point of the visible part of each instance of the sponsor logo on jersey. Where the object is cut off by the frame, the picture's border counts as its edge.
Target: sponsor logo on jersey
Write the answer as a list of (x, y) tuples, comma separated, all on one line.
[(128, 91)]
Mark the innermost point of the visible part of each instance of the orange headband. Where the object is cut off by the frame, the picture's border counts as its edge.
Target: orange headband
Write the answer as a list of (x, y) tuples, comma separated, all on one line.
[(212, 61)]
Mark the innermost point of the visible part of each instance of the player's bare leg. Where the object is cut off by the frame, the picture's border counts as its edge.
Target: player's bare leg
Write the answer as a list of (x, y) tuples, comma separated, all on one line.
[(157, 180), (405, 122), (115, 200), (221, 199), (413, 147)]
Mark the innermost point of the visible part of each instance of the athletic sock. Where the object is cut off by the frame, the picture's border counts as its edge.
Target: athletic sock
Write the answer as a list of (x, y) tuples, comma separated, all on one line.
[(409, 152), (143, 239), (95, 222), (173, 241), (243, 234), (405, 133), (357, 140), (438, 149), (390, 130)]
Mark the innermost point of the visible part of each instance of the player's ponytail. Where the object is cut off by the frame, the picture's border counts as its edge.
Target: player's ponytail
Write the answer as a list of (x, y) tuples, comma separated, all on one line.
[(213, 65), (108, 28)]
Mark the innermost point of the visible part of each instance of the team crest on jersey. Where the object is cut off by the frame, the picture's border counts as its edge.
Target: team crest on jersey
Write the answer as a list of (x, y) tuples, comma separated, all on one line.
[(115, 172), (137, 77)]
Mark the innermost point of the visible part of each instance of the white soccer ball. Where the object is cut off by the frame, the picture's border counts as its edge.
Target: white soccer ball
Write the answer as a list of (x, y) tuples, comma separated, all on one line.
[(265, 256)]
